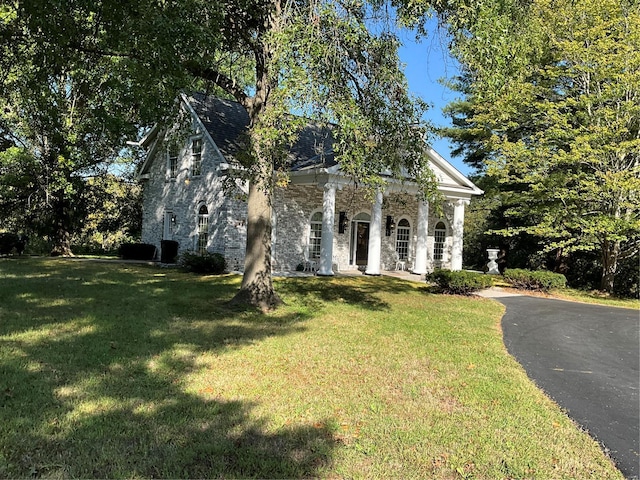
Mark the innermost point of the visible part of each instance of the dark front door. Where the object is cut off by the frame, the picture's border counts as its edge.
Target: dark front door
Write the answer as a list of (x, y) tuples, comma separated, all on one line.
[(362, 243)]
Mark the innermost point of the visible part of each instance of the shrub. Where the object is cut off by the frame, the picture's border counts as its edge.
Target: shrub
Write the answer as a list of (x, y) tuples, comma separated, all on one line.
[(209, 263), (10, 242), (137, 251), (541, 280), (459, 283), (627, 282), (92, 249)]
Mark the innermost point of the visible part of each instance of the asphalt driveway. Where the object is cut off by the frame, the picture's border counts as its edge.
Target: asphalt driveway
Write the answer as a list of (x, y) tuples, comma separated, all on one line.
[(587, 358)]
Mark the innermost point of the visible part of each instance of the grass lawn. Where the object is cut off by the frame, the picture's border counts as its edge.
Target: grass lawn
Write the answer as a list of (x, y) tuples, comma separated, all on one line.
[(124, 371), (575, 295), (595, 297)]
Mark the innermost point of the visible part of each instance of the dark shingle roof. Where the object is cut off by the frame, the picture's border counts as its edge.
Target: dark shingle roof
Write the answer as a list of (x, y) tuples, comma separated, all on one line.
[(226, 121)]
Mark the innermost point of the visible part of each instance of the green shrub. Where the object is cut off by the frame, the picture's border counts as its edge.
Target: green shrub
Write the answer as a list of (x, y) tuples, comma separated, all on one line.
[(459, 283), (541, 280), (137, 251), (209, 263)]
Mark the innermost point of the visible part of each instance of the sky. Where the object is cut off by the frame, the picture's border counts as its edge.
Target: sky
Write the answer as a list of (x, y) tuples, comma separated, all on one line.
[(426, 63)]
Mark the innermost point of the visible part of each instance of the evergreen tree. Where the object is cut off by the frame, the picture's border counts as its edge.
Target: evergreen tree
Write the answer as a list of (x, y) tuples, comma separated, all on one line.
[(556, 118)]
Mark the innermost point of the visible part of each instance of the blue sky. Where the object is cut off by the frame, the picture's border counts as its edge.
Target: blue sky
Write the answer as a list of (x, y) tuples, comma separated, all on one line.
[(426, 63)]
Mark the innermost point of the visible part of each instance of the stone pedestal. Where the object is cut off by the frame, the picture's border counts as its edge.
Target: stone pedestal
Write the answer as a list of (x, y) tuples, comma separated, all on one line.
[(493, 265)]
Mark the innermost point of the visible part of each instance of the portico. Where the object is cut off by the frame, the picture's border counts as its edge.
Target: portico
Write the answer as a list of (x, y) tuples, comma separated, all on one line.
[(354, 234)]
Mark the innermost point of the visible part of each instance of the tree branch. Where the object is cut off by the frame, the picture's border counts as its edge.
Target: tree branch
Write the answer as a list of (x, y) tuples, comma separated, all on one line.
[(205, 73), (219, 79), (79, 47)]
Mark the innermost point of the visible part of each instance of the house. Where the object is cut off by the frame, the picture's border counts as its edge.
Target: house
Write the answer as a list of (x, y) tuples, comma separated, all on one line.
[(321, 220)]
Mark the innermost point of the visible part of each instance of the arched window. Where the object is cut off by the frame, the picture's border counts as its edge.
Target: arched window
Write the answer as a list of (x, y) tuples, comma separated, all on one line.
[(315, 235), (203, 229), (403, 233), (439, 236)]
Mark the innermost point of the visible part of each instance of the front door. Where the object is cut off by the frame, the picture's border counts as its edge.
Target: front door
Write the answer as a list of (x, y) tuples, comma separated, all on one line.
[(361, 242), (169, 225)]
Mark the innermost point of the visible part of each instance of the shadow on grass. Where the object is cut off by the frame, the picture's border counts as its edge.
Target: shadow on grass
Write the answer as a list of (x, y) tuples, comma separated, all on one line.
[(156, 432), (93, 359), (363, 291)]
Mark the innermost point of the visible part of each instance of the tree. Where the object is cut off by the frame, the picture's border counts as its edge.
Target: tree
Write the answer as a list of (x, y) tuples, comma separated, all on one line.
[(488, 215), (59, 114), (111, 212), (563, 111), (326, 61), (321, 60)]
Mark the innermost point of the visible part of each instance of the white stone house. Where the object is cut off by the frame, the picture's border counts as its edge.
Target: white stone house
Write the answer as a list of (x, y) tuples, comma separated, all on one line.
[(320, 219)]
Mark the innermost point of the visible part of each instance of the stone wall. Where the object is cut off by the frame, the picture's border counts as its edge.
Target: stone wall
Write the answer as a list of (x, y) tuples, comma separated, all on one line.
[(295, 204), (182, 197)]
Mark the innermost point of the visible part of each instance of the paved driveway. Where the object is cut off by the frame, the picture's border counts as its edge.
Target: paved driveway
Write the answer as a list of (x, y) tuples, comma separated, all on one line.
[(585, 357)]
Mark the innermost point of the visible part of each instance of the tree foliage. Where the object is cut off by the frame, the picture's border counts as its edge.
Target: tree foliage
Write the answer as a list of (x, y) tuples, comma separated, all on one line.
[(66, 106), (324, 61), (108, 66), (111, 212), (557, 119)]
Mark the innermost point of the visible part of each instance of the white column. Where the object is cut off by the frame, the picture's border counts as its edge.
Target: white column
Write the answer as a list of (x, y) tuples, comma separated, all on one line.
[(457, 230), (326, 241), (375, 237), (420, 265)]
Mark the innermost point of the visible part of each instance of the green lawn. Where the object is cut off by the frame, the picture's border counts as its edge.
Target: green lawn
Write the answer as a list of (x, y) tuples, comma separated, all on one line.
[(124, 371), (595, 297)]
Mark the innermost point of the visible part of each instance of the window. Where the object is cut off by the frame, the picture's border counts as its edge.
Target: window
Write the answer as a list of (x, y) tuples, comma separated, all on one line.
[(196, 156), (172, 154), (203, 229), (315, 235), (438, 241), (403, 232)]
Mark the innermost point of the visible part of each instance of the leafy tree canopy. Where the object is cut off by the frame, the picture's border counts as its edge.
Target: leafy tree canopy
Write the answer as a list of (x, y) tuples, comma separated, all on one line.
[(556, 116), (77, 75), (68, 103)]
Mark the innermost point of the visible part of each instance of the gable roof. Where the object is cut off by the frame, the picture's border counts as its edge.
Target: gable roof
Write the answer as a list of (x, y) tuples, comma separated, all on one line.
[(226, 121)]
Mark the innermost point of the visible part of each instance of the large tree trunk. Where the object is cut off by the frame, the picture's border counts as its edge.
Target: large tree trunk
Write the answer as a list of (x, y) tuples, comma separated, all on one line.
[(610, 255), (257, 287), (62, 231), (560, 262)]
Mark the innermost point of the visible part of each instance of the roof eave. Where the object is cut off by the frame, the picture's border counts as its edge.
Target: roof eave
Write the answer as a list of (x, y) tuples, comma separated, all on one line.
[(452, 171)]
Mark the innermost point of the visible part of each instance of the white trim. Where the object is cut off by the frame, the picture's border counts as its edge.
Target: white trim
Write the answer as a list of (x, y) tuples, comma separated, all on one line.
[(375, 237), (444, 240), (310, 255), (151, 154), (168, 157), (422, 233), (410, 228), (168, 227), (328, 221), (353, 233), (192, 139), (453, 173), (457, 233), (199, 205), (204, 132)]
